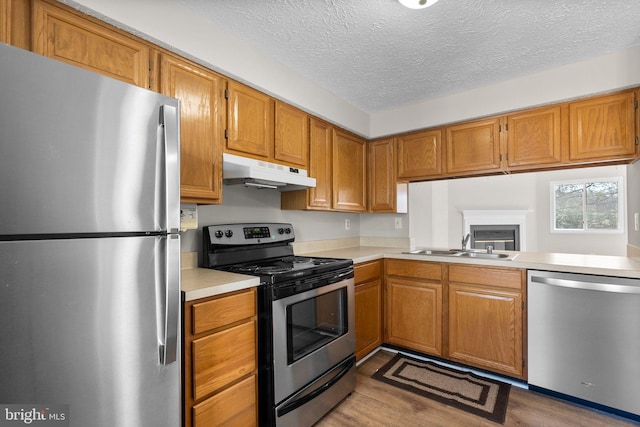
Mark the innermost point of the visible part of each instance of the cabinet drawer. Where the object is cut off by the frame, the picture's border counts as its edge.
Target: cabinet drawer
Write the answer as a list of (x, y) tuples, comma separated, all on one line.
[(367, 271), (223, 311), (416, 269), (223, 357), (488, 276), (235, 406)]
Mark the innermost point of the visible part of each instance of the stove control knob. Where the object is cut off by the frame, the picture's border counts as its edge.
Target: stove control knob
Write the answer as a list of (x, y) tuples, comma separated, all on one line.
[(228, 233), (287, 230), (218, 234), (280, 230)]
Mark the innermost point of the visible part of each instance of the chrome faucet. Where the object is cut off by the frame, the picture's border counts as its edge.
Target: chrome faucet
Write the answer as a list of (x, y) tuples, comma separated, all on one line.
[(465, 240)]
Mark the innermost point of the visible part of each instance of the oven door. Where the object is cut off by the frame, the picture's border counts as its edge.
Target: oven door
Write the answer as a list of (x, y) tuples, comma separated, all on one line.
[(313, 331)]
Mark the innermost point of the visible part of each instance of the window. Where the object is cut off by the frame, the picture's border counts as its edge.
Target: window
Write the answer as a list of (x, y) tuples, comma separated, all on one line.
[(588, 206)]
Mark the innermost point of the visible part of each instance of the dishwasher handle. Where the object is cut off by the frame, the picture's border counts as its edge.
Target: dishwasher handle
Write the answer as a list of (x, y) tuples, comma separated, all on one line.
[(617, 288)]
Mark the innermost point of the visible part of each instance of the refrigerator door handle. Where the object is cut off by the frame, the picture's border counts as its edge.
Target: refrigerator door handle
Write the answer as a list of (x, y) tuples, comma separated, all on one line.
[(170, 149), (168, 348)]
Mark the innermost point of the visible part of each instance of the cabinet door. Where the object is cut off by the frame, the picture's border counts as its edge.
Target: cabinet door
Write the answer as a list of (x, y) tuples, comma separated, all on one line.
[(349, 172), (15, 23), (534, 138), (79, 41), (474, 147), (414, 315), (485, 328), (235, 406), (382, 179), (250, 122), (201, 120), (602, 128), (320, 166), (368, 303), (420, 155), (291, 135)]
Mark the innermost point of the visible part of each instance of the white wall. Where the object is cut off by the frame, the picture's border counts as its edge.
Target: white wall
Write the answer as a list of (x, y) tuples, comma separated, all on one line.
[(176, 28), (241, 204), (633, 202), (527, 191), (608, 244), (171, 25), (605, 73)]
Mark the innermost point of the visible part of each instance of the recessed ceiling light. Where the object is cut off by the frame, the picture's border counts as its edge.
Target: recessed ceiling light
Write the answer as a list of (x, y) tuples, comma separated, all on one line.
[(417, 4)]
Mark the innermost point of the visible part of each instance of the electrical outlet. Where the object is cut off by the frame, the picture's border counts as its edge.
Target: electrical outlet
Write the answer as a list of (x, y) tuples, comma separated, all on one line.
[(188, 216), (398, 222), (347, 224)]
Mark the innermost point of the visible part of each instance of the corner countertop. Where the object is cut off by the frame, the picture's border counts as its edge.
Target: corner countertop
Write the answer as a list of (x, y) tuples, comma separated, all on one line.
[(199, 283), (202, 282)]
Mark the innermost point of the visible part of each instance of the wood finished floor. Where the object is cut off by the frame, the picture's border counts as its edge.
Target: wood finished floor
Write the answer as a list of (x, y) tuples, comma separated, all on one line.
[(378, 404)]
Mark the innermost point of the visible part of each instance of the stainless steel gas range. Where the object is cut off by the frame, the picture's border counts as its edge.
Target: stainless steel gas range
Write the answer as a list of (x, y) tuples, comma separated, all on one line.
[(306, 332)]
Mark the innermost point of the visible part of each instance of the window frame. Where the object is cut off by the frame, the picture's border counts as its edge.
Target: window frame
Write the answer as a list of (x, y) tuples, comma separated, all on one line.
[(621, 206)]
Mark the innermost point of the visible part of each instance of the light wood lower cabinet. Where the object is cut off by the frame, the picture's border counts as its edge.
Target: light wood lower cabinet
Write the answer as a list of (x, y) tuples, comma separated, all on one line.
[(472, 314), (220, 361), (486, 315), (413, 310), (368, 303)]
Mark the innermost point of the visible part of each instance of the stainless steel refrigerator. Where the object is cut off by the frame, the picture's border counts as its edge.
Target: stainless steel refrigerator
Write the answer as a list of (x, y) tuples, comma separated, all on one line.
[(89, 248)]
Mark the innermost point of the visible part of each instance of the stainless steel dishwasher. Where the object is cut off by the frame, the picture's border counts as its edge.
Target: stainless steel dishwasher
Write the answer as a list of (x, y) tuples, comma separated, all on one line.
[(584, 338)]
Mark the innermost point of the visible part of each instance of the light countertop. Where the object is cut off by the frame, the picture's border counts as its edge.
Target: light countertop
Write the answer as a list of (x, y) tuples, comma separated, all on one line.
[(202, 282), (571, 263)]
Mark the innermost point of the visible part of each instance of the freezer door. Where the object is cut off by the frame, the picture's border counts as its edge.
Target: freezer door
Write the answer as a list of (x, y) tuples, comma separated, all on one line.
[(84, 324), (82, 153)]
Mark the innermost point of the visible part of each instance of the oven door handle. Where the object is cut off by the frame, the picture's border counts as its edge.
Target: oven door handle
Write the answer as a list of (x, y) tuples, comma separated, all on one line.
[(315, 393)]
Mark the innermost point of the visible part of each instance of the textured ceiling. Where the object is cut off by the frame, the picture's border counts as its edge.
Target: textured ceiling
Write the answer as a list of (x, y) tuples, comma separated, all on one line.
[(379, 55)]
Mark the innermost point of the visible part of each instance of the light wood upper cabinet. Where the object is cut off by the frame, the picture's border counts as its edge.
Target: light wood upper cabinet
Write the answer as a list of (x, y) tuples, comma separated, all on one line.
[(320, 167), (250, 117), (349, 172), (79, 41), (202, 117), (486, 315), (602, 128), (320, 156), (15, 23), (382, 177), (420, 155), (534, 138), (473, 147), (291, 135)]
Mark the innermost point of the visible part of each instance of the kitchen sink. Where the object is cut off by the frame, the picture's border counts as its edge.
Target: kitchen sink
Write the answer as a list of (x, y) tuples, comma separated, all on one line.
[(481, 255), (470, 253), (440, 252)]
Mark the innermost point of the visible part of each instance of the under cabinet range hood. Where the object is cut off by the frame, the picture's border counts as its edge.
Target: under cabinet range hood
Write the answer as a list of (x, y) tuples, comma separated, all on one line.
[(261, 174)]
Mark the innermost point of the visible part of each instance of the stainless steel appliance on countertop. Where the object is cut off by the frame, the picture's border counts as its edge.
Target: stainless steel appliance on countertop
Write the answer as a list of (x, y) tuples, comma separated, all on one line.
[(306, 320), (89, 250), (584, 338)]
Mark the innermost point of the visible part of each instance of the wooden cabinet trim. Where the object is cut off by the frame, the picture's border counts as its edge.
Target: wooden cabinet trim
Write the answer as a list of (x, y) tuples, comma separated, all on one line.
[(367, 271), (223, 311), (485, 275), (424, 270)]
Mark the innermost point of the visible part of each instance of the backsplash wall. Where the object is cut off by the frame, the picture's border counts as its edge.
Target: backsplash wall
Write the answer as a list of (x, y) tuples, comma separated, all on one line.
[(241, 204)]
